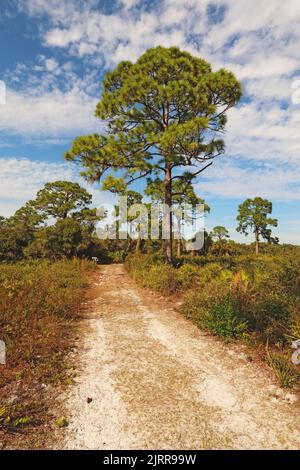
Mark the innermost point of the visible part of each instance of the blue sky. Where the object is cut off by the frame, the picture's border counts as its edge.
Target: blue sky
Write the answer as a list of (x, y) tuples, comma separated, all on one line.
[(54, 54)]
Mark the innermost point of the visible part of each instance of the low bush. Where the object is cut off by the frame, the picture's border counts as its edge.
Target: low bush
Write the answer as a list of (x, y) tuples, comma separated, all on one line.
[(254, 297), (39, 305), (158, 276), (284, 370), (294, 330), (224, 319), (187, 276), (270, 318)]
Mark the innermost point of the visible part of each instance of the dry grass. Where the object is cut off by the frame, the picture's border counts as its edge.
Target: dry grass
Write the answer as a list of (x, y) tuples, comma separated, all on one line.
[(40, 304)]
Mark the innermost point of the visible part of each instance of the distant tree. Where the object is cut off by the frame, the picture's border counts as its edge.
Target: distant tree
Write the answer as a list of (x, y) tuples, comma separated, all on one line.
[(165, 113), (134, 197), (38, 246), (253, 217), (65, 237), (220, 236), (119, 186), (183, 194), (62, 239), (206, 245), (13, 241), (18, 231), (26, 233), (61, 199), (2, 221), (27, 216), (219, 233), (87, 218)]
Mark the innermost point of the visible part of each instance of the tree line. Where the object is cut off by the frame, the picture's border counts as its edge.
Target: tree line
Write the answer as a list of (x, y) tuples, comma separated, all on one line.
[(59, 222)]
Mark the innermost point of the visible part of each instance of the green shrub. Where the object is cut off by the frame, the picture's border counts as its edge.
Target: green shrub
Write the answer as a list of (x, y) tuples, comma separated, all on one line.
[(161, 278), (118, 256), (290, 278), (224, 319), (294, 330), (283, 368), (187, 275), (151, 272), (271, 317), (198, 302)]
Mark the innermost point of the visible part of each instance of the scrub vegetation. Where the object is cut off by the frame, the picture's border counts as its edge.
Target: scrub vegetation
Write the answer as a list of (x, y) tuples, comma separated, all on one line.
[(40, 305), (255, 299)]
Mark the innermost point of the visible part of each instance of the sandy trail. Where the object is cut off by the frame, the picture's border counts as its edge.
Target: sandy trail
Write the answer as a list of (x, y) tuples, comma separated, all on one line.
[(156, 382)]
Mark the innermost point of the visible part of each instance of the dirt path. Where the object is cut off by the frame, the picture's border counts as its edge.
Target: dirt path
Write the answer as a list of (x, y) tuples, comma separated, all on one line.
[(156, 382)]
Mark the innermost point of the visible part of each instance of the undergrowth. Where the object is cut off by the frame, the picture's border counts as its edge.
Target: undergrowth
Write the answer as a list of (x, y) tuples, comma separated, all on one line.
[(40, 303), (252, 298)]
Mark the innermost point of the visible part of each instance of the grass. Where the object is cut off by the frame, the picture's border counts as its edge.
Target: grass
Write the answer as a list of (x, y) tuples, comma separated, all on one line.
[(40, 304), (248, 298), (285, 372)]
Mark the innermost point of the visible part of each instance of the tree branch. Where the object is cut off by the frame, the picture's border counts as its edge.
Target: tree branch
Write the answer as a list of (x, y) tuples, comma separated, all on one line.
[(193, 174)]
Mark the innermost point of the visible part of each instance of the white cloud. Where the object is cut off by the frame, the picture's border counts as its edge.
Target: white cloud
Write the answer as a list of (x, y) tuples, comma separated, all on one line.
[(58, 10), (236, 181), (122, 35), (270, 88), (244, 17), (63, 37), (54, 113), (51, 65), (265, 132), (262, 66), (21, 179), (49, 101)]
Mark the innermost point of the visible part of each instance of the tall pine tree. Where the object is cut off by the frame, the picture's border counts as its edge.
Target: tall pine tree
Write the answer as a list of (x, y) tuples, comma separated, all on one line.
[(165, 117)]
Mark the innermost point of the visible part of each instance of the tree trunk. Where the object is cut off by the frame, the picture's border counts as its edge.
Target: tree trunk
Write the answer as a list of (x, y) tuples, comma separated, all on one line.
[(256, 243), (179, 238), (178, 248), (129, 238), (138, 244), (168, 215)]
